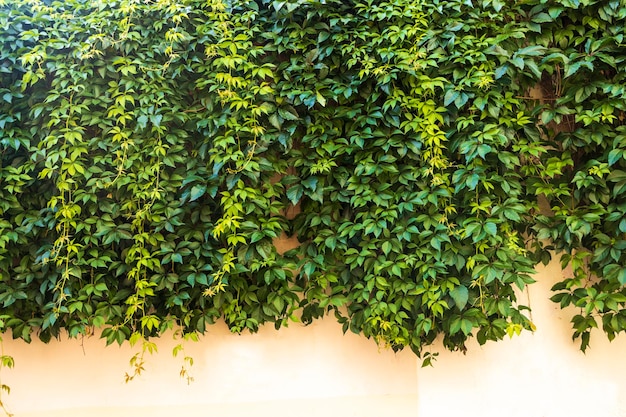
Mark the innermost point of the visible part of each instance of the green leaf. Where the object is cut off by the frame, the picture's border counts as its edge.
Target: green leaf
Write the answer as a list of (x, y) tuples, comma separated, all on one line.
[(542, 18), (460, 295), (532, 50), (386, 247), (450, 97), (466, 326), (617, 175), (491, 228), (276, 121), (500, 71), (320, 99), (294, 193), (197, 191), (310, 183), (614, 156), (322, 36), (288, 113), (518, 61), (571, 69), (455, 326)]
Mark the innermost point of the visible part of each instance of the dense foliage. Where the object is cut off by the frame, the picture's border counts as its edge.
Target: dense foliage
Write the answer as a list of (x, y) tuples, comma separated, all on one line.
[(153, 151)]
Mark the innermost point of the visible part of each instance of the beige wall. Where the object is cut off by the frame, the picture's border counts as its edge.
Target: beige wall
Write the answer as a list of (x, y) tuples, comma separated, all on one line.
[(297, 371), (540, 374), (316, 370)]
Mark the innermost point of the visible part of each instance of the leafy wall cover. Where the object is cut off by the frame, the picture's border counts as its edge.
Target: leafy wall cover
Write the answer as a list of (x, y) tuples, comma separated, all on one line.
[(153, 151)]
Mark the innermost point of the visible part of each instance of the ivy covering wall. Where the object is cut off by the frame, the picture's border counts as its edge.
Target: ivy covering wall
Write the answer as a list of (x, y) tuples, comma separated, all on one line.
[(153, 151)]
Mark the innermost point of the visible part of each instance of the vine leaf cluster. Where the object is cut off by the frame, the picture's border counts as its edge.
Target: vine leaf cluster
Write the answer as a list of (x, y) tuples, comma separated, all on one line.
[(150, 151)]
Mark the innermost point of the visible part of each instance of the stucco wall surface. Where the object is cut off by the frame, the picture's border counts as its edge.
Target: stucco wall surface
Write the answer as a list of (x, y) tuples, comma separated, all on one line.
[(297, 371), (540, 374)]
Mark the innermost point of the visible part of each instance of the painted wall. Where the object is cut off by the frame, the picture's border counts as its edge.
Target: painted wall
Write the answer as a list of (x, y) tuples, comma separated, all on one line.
[(540, 374), (316, 370), (297, 371)]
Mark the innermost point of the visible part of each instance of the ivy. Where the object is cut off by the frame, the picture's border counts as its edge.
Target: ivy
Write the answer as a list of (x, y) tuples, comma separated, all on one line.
[(153, 152), (583, 81)]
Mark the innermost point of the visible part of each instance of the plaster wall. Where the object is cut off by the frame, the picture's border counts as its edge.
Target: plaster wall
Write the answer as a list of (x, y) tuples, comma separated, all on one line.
[(540, 374), (297, 371), (318, 371)]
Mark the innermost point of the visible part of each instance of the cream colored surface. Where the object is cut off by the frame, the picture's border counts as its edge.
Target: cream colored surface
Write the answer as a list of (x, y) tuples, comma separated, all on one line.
[(318, 371), (540, 374), (297, 371)]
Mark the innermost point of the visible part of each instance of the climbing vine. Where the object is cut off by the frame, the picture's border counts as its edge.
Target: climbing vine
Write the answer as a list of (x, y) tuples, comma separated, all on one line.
[(153, 151)]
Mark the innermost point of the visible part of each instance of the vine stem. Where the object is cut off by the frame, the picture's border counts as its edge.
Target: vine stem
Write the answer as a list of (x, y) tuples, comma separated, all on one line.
[(6, 361), (530, 310)]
